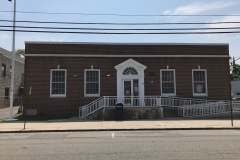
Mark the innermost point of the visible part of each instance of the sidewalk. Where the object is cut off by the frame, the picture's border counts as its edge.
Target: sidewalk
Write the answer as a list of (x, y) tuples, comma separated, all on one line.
[(75, 124), (4, 112), (66, 125)]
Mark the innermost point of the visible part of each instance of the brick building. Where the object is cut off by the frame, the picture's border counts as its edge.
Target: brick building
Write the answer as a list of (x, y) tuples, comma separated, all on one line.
[(5, 78), (60, 77)]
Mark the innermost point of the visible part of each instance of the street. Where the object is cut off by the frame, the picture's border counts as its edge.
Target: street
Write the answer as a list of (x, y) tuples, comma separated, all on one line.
[(185, 144)]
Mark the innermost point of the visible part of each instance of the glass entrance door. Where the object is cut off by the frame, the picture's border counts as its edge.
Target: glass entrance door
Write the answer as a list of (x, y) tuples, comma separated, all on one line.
[(131, 92)]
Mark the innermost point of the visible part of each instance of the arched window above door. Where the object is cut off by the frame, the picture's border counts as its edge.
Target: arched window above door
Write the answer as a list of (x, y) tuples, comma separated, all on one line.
[(130, 71)]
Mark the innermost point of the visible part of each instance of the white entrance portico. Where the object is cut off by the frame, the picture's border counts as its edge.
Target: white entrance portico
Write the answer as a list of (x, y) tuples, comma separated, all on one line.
[(130, 82)]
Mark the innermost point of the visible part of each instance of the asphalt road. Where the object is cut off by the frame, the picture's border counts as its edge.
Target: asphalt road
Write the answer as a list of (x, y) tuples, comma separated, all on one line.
[(197, 144)]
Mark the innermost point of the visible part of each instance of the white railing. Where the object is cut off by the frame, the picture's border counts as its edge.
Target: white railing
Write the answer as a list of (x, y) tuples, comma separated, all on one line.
[(186, 106), (236, 105), (92, 107), (110, 101), (147, 101), (208, 108)]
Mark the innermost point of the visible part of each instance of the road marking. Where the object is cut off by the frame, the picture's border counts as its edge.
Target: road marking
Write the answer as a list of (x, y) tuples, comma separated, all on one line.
[(113, 136)]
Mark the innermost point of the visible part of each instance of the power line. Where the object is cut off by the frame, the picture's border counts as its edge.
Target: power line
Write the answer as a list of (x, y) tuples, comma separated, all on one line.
[(118, 33), (123, 15), (125, 29), (103, 23)]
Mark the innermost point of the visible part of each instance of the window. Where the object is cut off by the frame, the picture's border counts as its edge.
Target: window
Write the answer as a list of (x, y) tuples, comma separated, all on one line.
[(58, 83), (199, 78), (6, 93), (10, 71), (3, 70), (130, 71), (168, 82), (92, 82)]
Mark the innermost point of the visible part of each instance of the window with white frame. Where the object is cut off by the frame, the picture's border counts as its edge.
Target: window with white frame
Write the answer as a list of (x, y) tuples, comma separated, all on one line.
[(168, 82), (58, 83), (130, 71), (92, 82), (199, 80)]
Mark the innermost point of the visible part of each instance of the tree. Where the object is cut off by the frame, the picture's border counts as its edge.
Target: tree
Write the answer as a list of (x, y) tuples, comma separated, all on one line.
[(20, 51), (235, 70)]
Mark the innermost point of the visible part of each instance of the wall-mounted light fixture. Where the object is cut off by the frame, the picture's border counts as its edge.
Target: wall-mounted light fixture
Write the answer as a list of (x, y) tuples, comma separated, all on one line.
[(108, 74)]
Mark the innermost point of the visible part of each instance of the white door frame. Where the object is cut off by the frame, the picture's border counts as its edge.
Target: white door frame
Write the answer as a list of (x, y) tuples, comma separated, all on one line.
[(128, 100), (120, 77)]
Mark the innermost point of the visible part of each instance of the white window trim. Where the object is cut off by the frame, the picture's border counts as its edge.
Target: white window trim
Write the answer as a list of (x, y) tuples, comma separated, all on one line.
[(91, 95), (168, 94), (200, 94), (58, 95)]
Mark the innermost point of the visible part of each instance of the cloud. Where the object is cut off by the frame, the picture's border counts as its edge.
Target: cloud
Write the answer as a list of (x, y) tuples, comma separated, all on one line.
[(233, 36), (6, 40), (199, 7), (232, 39), (4, 36), (21, 38), (226, 19)]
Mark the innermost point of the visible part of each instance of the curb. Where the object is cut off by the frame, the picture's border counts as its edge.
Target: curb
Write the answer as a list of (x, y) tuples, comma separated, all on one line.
[(136, 129)]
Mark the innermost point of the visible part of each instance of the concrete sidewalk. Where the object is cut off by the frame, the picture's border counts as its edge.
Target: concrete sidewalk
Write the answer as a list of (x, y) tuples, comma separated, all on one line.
[(4, 112), (66, 125)]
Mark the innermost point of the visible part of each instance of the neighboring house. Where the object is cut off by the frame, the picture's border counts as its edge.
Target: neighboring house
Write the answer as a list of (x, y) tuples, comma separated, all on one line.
[(5, 78), (235, 84), (61, 77), (235, 89)]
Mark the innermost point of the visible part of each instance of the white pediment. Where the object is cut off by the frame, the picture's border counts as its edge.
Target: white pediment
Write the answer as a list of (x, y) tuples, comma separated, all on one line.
[(130, 70), (130, 63)]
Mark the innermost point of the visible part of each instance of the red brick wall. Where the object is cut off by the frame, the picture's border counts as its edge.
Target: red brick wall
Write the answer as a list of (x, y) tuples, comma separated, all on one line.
[(113, 49), (37, 75)]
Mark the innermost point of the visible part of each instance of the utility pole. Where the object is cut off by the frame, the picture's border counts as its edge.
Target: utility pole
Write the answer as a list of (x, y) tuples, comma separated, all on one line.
[(13, 65)]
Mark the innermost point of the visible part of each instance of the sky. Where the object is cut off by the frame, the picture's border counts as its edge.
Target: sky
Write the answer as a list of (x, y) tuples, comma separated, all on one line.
[(158, 9)]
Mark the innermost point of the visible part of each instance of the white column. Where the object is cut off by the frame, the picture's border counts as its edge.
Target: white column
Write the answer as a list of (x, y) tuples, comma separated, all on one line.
[(119, 86), (141, 87)]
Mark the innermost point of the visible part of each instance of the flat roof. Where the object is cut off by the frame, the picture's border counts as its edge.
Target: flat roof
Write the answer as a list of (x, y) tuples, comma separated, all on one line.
[(123, 43)]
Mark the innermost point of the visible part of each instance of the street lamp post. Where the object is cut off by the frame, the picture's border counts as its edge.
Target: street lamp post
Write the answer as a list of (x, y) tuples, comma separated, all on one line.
[(13, 65)]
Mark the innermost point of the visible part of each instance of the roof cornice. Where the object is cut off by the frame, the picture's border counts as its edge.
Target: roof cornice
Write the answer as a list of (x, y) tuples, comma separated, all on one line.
[(110, 56), (119, 43)]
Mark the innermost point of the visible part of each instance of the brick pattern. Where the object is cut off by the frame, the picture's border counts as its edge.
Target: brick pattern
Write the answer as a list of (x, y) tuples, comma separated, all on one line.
[(37, 73), (115, 49)]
